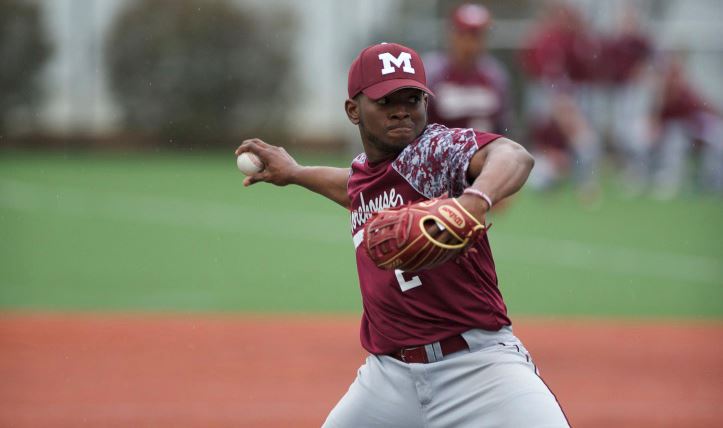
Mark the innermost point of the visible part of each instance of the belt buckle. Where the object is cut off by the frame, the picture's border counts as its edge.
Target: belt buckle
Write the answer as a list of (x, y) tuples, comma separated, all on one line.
[(403, 350)]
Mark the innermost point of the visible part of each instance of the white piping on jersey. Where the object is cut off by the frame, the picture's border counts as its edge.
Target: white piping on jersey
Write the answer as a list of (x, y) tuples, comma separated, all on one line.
[(358, 238)]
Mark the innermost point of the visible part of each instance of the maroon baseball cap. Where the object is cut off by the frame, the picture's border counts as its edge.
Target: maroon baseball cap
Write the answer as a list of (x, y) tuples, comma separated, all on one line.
[(471, 17), (384, 68)]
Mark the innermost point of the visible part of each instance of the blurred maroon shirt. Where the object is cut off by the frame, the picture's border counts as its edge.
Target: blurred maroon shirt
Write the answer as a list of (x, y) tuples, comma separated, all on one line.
[(468, 98), (623, 55), (556, 53), (680, 101)]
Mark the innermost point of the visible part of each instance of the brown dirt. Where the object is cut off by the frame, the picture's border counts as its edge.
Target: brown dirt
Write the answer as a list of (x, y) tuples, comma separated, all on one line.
[(63, 370)]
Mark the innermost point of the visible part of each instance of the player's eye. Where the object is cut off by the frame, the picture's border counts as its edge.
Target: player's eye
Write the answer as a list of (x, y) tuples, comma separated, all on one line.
[(382, 101), (414, 99)]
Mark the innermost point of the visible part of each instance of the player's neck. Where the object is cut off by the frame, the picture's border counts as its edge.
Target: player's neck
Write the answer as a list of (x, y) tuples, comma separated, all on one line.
[(375, 156)]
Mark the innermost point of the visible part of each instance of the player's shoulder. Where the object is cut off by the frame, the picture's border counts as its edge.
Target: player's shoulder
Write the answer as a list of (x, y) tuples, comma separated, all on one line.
[(434, 133), (436, 143), (438, 134), (436, 162)]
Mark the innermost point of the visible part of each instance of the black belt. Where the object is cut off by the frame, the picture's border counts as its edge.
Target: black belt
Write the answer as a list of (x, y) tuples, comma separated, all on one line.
[(418, 354)]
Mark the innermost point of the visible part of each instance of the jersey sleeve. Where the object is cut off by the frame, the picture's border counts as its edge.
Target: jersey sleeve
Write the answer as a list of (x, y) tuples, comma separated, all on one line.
[(461, 154), (437, 162)]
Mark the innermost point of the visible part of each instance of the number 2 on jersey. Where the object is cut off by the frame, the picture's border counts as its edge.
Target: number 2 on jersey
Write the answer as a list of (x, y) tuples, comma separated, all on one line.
[(404, 284)]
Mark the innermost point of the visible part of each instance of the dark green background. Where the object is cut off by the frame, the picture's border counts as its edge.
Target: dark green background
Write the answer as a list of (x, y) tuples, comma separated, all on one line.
[(179, 232)]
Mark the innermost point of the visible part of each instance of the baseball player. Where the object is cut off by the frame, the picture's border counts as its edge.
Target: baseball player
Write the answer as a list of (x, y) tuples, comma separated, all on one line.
[(560, 60), (683, 117), (627, 66), (470, 86), (441, 348)]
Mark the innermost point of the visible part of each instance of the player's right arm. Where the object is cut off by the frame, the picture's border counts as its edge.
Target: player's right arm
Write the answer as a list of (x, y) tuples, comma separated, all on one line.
[(281, 169)]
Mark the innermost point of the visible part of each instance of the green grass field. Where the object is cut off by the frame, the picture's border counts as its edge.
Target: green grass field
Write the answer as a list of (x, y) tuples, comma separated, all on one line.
[(179, 232)]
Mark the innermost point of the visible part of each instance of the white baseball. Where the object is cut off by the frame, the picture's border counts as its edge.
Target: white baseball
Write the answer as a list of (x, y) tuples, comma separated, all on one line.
[(249, 163)]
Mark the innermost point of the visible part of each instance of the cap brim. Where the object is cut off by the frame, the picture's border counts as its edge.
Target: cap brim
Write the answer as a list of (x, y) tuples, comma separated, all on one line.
[(381, 89), (469, 28)]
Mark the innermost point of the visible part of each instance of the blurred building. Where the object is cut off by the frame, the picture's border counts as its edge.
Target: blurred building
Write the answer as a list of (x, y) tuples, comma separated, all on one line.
[(78, 100), (330, 34)]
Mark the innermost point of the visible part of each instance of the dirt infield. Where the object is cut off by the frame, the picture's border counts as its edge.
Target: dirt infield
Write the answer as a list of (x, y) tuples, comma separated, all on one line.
[(281, 371)]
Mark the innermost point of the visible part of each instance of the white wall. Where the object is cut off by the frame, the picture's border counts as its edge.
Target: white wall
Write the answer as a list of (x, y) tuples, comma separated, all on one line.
[(78, 99)]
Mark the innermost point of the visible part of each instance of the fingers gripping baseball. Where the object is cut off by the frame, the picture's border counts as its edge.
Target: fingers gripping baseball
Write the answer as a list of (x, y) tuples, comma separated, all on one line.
[(278, 166)]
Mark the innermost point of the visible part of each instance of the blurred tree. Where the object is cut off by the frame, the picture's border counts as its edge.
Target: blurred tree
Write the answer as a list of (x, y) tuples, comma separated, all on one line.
[(24, 48), (195, 71)]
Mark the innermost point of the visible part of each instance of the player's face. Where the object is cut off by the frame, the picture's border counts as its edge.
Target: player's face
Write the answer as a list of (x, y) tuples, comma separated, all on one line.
[(466, 46), (390, 123)]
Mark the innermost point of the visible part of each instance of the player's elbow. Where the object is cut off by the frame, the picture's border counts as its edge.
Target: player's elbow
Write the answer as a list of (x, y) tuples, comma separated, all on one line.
[(527, 160), (523, 158)]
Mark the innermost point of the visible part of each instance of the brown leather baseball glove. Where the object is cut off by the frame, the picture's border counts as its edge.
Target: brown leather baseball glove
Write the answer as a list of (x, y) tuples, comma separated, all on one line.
[(407, 238)]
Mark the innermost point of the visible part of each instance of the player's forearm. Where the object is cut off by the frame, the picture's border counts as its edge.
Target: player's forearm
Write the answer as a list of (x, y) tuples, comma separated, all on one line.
[(327, 181), (497, 171)]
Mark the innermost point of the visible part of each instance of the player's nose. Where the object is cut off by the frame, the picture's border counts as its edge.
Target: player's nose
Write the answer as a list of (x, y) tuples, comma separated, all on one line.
[(399, 112)]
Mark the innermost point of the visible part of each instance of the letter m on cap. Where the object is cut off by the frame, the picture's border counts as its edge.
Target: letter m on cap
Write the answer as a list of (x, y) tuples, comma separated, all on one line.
[(391, 62)]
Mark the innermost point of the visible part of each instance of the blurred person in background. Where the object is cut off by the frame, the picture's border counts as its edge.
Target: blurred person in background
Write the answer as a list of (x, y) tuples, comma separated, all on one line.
[(627, 56), (684, 121), (543, 61), (561, 60), (563, 145), (471, 86)]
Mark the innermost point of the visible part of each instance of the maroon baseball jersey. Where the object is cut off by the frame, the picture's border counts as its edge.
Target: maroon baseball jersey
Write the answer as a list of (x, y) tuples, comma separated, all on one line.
[(474, 98), (624, 54), (557, 53), (543, 56), (680, 100), (584, 57), (403, 309)]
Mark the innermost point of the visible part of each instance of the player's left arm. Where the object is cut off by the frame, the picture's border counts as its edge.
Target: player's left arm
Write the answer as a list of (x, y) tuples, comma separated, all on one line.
[(499, 169)]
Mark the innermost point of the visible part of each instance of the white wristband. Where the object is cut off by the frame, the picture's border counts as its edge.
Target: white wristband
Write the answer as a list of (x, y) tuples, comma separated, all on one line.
[(479, 193)]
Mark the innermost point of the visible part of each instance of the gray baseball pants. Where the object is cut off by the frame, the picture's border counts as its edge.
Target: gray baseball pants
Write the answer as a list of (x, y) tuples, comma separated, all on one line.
[(494, 384)]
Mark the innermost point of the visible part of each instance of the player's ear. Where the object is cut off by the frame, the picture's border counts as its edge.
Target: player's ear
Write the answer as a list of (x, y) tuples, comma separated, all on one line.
[(352, 110)]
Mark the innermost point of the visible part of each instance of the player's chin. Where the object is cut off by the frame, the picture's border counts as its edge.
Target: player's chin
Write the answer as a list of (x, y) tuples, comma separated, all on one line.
[(401, 136)]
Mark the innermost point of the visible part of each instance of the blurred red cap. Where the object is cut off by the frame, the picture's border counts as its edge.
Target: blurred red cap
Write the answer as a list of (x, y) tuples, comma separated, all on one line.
[(471, 17), (384, 68)]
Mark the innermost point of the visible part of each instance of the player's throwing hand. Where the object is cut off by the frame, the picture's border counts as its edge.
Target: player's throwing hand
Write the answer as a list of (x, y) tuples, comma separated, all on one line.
[(279, 166)]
